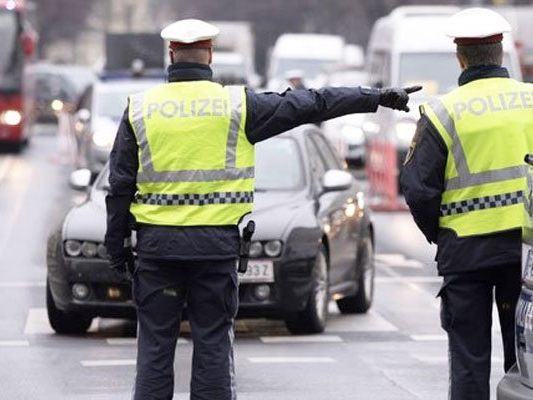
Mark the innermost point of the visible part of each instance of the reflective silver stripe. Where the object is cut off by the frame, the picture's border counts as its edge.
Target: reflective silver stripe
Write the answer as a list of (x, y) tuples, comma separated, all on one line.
[(235, 93), (465, 178), (480, 178), (482, 203), (148, 173), (137, 105), (449, 125), (194, 199), (201, 175)]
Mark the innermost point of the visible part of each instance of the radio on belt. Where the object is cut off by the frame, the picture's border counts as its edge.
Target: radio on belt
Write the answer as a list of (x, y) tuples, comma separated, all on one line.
[(244, 251)]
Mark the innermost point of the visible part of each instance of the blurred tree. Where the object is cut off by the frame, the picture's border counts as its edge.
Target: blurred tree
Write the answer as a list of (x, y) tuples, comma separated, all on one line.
[(72, 15)]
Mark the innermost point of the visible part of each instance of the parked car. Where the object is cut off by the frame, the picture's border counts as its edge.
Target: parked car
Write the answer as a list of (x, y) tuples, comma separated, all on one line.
[(517, 384), (313, 242), (96, 121)]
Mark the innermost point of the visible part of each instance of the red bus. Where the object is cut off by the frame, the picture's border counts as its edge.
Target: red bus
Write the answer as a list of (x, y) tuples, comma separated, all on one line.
[(17, 45)]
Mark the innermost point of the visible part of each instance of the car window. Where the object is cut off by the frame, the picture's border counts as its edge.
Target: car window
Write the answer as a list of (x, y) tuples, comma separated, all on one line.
[(329, 156), (318, 167)]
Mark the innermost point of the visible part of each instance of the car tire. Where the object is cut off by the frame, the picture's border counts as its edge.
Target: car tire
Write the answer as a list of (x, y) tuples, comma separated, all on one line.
[(313, 318), (62, 322), (362, 300)]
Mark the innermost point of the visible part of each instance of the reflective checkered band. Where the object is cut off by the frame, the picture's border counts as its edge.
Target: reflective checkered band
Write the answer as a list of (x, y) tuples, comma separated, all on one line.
[(482, 203), (195, 199)]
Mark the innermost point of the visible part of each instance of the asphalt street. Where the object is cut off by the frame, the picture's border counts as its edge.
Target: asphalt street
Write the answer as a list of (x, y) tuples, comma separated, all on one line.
[(395, 352)]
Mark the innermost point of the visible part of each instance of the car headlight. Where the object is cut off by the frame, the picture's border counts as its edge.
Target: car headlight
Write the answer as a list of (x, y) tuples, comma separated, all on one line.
[(353, 134), (73, 248), (405, 130), (57, 105), (89, 249), (256, 249), (273, 248), (102, 251), (10, 117), (104, 139)]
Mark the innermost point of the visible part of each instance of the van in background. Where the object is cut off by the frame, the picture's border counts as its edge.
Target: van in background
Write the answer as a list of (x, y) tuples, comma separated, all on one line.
[(312, 54)]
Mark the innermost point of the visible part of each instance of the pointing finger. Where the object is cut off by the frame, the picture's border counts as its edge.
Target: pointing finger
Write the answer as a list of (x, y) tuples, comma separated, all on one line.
[(412, 89)]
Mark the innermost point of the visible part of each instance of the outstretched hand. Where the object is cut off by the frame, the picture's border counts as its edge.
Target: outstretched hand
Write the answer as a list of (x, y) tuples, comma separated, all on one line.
[(397, 98)]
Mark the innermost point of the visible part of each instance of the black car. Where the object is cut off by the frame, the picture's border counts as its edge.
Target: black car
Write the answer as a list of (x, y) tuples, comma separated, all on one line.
[(313, 242)]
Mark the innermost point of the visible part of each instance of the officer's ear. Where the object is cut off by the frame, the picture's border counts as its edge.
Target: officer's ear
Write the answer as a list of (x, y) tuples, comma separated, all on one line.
[(210, 56), (171, 55), (461, 62)]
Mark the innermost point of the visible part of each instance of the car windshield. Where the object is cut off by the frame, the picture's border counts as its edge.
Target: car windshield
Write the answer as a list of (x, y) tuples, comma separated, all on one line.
[(10, 54), (310, 68), (110, 102), (278, 166), (437, 72)]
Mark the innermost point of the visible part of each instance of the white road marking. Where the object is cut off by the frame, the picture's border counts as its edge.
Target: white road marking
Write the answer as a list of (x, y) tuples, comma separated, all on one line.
[(37, 323), (291, 360), (133, 341), (369, 322), (21, 284), (408, 279), (5, 166), (429, 338), (434, 360), (107, 363), (14, 343), (301, 339), (22, 176), (397, 260)]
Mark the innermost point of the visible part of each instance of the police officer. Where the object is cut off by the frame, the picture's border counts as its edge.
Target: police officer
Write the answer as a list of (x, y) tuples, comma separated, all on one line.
[(182, 174), (465, 182)]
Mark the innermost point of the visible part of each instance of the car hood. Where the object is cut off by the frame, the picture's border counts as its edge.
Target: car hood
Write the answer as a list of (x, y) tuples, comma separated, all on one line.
[(86, 222), (274, 214)]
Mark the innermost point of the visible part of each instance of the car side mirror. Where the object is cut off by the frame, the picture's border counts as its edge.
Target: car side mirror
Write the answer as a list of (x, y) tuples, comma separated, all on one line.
[(83, 116), (336, 180), (80, 179)]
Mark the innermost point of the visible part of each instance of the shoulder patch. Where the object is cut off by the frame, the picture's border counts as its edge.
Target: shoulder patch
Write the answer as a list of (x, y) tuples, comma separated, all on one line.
[(412, 146)]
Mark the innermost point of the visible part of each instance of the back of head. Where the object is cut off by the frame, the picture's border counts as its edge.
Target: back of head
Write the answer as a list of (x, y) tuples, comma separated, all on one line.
[(481, 54)]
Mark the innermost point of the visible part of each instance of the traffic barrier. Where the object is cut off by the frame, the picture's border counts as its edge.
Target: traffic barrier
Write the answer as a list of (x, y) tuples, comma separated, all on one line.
[(382, 172)]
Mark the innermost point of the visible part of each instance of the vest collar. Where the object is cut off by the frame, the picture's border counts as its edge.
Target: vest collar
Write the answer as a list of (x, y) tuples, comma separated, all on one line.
[(185, 71), (481, 72)]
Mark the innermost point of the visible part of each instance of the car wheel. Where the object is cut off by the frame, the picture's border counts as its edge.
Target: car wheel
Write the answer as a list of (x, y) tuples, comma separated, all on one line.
[(63, 322), (313, 318), (362, 300)]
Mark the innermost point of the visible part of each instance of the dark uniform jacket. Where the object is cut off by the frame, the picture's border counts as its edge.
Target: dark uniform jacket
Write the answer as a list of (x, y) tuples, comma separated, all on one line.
[(422, 182), (268, 114)]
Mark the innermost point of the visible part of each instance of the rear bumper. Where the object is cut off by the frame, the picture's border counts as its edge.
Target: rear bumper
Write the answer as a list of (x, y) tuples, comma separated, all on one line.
[(510, 387)]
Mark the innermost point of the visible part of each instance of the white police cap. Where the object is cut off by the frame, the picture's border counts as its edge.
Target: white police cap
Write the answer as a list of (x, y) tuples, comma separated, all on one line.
[(188, 31), (477, 23)]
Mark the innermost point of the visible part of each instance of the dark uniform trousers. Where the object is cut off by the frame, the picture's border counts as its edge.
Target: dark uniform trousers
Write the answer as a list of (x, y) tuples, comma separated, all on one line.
[(209, 289), (466, 315)]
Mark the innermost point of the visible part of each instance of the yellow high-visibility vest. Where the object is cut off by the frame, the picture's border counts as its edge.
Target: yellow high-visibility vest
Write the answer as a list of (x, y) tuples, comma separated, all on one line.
[(196, 165), (487, 126)]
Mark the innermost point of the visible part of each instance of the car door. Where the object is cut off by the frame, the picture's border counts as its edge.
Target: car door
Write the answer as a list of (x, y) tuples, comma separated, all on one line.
[(343, 220)]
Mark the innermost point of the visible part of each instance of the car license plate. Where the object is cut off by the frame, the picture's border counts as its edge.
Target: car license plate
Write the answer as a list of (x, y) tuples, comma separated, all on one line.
[(259, 271)]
